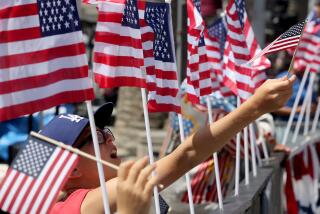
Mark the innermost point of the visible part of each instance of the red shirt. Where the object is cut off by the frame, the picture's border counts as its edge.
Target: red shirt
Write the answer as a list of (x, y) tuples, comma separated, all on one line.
[(72, 204)]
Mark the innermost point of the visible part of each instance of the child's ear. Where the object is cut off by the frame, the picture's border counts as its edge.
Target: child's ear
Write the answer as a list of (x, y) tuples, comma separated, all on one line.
[(76, 173)]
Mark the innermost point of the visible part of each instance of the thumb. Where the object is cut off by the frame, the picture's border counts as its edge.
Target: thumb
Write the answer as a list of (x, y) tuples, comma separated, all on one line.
[(292, 78), (285, 77)]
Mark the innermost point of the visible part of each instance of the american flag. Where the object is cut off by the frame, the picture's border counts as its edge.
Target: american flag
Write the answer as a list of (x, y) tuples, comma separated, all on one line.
[(43, 59), (288, 39), (159, 58), (308, 51), (198, 67), (240, 47), (118, 55), (142, 55), (215, 39), (35, 177)]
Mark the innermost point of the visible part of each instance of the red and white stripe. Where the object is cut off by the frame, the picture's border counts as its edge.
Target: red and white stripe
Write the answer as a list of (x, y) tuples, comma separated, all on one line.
[(118, 55), (216, 63), (162, 80), (37, 73), (241, 46), (308, 51), (198, 67), (20, 193)]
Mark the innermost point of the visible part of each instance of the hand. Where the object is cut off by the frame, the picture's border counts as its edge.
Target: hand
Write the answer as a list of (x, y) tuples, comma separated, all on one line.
[(282, 148), (273, 94), (135, 187)]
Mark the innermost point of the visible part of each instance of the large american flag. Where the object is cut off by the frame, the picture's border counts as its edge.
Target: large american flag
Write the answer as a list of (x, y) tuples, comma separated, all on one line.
[(159, 57), (118, 54), (308, 51), (288, 39), (134, 47), (198, 68), (43, 59), (35, 177), (240, 47)]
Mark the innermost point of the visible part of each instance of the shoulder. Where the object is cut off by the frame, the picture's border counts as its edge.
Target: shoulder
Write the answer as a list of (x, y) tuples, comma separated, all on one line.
[(93, 202), (72, 204)]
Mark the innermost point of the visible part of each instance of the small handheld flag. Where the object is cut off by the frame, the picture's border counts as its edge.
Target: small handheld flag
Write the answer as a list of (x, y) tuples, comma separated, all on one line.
[(288, 39), (35, 177)]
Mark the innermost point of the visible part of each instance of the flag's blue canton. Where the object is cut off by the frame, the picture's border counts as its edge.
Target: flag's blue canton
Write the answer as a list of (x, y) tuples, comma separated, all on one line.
[(131, 15), (164, 207), (188, 125), (240, 9), (295, 30), (33, 157), (197, 4), (58, 17), (218, 30), (157, 17)]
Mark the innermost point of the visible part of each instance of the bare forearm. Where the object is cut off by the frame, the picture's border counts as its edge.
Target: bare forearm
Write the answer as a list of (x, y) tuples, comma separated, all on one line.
[(205, 142), (272, 95), (214, 137)]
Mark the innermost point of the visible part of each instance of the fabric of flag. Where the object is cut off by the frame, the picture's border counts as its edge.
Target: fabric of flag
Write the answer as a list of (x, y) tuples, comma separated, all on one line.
[(215, 39), (308, 50), (43, 59), (159, 58), (203, 183), (288, 39), (198, 68), (35, 177), (118, 55), (301, 187), (164, 207), (241, 45)]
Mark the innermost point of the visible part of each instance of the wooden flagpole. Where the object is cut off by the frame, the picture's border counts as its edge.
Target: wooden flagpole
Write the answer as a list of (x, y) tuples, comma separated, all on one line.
[(149, 142), (187, 175), (316, 118), (295, 105), (237, 173), (246, 156), (215, 158), (98, 155), (72, 149), (308, 113), (252, 148), (303, 108)]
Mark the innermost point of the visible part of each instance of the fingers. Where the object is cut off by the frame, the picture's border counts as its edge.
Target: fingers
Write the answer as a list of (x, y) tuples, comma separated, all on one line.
[(281, 84), (136, 168), (292, 78), (152, 182), (145, 174), (124, 170)]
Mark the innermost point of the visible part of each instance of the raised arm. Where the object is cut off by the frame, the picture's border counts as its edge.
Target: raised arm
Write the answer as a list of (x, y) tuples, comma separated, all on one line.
[(272, 95)]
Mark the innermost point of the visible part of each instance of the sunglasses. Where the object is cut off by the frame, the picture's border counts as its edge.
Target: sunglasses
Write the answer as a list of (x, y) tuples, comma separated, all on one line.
[(104, 134)]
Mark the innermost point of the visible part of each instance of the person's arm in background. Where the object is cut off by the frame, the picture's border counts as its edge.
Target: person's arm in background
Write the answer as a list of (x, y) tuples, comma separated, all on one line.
[(272, 95)]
